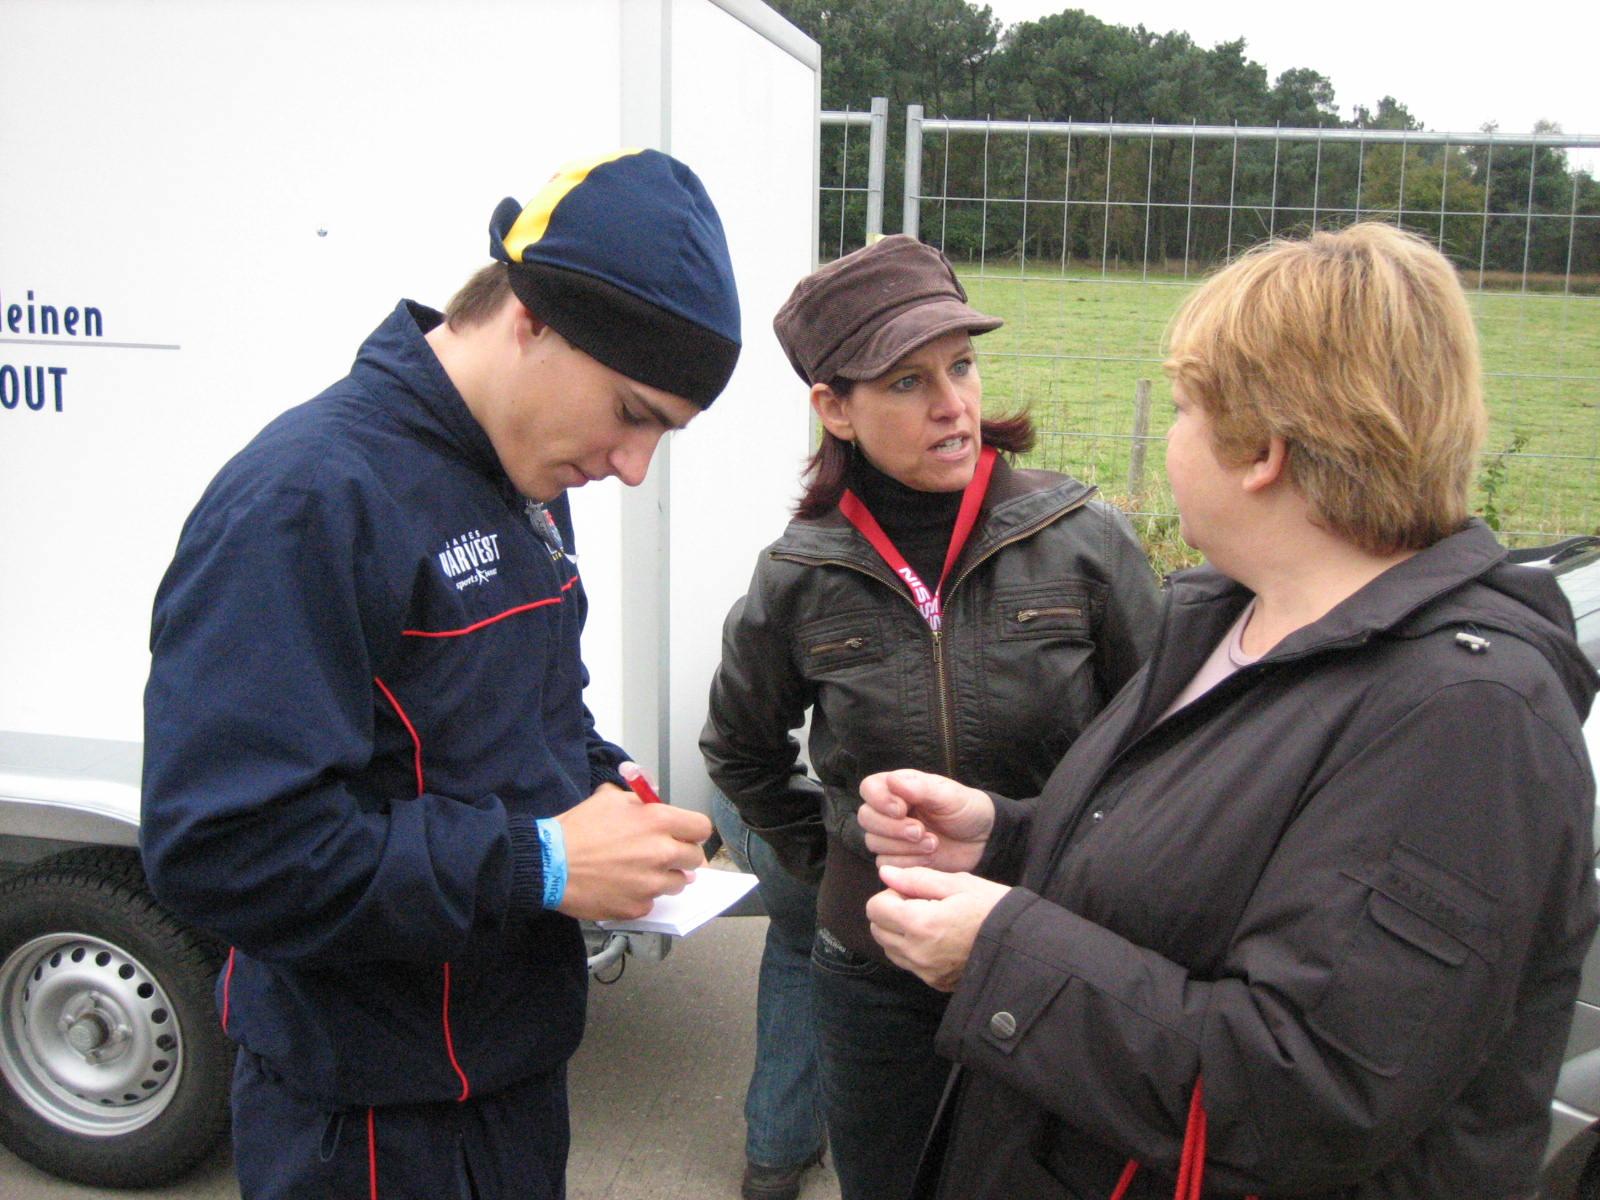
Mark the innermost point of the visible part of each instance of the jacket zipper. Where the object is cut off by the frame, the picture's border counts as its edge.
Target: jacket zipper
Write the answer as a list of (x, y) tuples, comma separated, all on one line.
[(946, 723), (1033, 614), (942, 684)]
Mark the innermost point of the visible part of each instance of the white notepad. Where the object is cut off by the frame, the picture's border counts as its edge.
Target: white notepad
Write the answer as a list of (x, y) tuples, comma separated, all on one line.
[(709, 893)]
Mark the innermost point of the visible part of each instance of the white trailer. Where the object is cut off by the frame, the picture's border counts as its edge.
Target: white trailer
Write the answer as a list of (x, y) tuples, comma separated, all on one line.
[(204, 209)]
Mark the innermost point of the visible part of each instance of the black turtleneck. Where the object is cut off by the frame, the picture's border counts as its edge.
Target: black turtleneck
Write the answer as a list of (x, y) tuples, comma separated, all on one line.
[(918, 523)]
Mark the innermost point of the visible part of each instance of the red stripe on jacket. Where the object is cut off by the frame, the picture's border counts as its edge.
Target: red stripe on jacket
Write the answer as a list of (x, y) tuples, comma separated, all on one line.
[(449, 1041), (416, 741), (477, 625), (227, 988)]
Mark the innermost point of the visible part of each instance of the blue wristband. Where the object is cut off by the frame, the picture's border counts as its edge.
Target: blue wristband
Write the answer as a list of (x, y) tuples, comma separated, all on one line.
[(553, 856)]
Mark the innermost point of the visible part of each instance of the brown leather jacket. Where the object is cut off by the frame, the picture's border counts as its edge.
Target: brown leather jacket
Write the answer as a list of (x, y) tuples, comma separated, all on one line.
[(1049, 611)]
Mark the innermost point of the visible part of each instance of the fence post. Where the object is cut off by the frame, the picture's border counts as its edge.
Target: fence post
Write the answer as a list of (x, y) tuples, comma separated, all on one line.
[(875, 148), (911, 216), (1141, 431)]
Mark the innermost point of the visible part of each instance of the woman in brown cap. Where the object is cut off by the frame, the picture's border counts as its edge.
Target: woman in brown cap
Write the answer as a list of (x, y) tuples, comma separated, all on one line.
[(931, 606)]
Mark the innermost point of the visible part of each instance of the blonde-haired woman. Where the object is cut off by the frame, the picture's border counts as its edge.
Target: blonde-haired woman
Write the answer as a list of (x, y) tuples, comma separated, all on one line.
[(1307, 904)]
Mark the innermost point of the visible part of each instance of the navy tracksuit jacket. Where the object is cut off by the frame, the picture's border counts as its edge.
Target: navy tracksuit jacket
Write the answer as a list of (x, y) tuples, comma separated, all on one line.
[(365, 687)]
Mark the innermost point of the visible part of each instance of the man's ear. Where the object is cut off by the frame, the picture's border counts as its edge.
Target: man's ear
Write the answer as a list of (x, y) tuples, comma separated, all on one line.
[(1268, 466), (830, 409), (525, 325)]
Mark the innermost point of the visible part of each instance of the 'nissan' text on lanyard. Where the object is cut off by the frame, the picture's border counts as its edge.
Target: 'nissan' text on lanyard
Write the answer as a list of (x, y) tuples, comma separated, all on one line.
[(971, 501)]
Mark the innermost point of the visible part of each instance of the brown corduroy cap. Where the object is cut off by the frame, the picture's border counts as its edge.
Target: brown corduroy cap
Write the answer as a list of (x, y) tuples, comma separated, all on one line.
[(859, 315)]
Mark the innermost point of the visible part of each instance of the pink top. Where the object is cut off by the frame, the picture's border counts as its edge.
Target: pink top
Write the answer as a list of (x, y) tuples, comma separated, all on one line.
[(1227, 658)]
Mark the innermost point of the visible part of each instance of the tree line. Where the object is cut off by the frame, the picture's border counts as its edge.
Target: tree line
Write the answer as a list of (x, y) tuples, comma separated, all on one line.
[(953, 57)]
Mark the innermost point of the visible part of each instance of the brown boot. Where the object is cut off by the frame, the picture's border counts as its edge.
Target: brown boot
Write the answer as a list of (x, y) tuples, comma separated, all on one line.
[(775, 1183)]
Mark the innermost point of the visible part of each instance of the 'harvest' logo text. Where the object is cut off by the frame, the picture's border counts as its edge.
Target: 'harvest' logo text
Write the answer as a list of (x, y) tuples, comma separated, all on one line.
[(469, 557)]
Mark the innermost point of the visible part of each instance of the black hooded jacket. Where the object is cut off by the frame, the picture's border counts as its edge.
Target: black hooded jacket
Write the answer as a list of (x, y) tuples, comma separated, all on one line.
[(1351, 887)]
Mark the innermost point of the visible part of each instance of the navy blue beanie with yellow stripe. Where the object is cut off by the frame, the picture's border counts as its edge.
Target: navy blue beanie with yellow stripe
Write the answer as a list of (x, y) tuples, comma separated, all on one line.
[(624, 256)]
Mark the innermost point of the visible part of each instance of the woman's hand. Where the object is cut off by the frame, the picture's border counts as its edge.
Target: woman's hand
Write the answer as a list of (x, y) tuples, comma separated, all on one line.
[(929, 920), (914, 819)]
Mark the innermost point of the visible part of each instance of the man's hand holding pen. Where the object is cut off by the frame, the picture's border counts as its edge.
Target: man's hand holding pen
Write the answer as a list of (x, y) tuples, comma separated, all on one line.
[(623, 852)]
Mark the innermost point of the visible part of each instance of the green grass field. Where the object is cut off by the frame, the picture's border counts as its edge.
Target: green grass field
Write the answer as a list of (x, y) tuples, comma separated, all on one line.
[(1073, 349)]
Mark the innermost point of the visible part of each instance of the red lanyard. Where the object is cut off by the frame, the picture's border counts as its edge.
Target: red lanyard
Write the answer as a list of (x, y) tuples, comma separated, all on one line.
[(971, 501)]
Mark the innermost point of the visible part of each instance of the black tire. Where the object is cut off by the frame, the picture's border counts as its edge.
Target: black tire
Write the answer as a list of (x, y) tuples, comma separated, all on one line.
[(114, 1070)]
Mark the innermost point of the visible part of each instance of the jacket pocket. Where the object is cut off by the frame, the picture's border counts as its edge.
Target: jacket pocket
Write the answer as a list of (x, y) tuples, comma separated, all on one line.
[(1035, 682), (831, 955), (1419, 927), (1059, 610), (835, 645)]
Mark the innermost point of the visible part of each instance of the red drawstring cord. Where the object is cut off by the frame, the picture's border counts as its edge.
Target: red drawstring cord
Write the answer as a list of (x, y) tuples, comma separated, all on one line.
[(1125, 1180), (372, 1157), (1191, 1159)]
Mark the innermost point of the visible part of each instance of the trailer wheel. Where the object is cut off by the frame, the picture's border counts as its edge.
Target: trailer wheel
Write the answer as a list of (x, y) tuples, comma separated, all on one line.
[(115, 1070)]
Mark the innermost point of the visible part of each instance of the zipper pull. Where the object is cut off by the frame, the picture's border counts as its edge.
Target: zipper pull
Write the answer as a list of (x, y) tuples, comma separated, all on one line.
[(544, 525)]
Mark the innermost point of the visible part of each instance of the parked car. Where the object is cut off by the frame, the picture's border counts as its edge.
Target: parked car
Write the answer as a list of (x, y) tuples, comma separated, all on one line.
[(1572, 1158)]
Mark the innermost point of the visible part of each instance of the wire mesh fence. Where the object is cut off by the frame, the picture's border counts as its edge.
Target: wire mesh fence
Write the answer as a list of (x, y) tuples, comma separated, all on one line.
[(853, 144), (1086, 237)]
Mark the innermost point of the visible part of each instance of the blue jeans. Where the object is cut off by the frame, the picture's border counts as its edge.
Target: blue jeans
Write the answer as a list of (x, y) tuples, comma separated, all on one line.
[(881, 1080), (783, 1104)]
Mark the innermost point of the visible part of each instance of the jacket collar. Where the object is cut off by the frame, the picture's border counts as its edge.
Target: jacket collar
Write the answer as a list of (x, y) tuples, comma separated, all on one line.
[(1460, 580), (1382, 605), (398, 367), (1017, 501)]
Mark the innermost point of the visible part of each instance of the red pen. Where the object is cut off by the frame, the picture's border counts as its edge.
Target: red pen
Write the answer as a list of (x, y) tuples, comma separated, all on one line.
[(634, 774)]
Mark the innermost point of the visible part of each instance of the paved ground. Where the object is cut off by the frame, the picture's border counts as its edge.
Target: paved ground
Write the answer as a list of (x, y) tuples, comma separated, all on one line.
[(657, 1089)]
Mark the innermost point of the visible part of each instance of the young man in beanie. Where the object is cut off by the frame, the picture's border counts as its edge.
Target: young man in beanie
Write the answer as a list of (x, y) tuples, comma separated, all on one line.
[(368, 764)]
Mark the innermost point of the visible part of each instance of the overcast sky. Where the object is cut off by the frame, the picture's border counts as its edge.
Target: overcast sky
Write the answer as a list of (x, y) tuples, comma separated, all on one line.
[(1455, 67)]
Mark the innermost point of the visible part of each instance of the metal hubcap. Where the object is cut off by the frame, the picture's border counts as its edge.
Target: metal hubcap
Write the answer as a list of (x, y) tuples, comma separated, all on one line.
[(88, 1038)]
